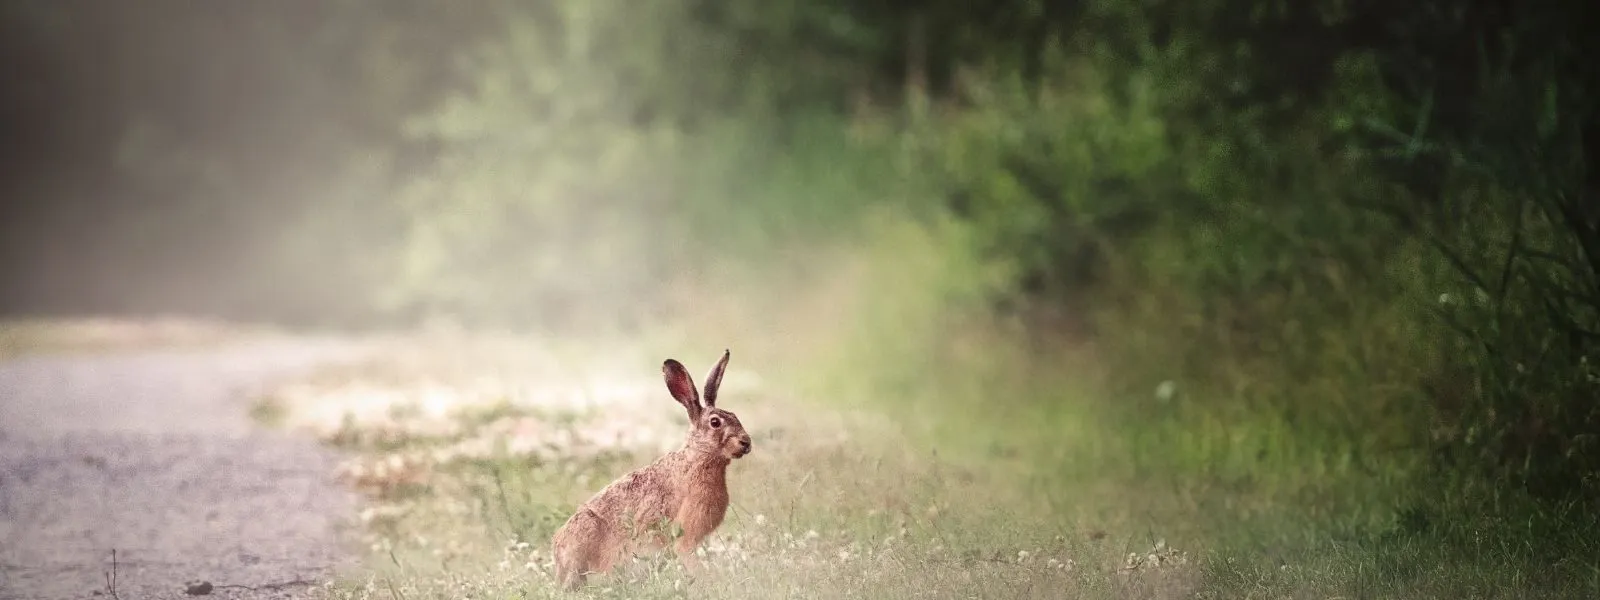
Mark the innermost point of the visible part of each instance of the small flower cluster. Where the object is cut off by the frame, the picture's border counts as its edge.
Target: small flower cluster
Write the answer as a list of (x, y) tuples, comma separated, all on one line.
[(1159, 557), (527, 558), (1025, 557)]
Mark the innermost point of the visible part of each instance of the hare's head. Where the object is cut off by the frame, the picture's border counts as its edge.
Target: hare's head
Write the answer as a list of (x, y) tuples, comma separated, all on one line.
[(714, 430)]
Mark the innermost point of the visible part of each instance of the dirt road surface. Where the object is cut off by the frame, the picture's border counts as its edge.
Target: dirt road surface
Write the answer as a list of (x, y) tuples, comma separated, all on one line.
[(153, 455)]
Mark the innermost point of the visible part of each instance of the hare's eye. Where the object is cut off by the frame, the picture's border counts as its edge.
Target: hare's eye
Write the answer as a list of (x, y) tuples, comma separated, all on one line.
[(716, 422)]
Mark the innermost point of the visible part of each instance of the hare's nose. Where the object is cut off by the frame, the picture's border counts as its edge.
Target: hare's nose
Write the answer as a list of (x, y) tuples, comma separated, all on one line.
[(744, 444)]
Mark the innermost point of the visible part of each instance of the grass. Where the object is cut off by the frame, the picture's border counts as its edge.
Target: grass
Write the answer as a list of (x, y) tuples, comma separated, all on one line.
[(472, 456)]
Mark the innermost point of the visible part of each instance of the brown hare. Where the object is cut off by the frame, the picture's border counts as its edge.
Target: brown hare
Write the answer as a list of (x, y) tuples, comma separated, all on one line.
[(687, 487)]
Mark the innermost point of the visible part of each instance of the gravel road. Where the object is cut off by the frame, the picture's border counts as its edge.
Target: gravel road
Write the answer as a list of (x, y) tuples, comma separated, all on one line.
[(153, 454)]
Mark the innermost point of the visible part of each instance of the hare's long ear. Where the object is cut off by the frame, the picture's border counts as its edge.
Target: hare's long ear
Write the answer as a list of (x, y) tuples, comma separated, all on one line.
[(714, 380), (682, 387)]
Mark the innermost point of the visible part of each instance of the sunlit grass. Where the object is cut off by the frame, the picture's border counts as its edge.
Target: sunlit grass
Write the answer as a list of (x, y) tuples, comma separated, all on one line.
[(1040, 499), (828, 506)]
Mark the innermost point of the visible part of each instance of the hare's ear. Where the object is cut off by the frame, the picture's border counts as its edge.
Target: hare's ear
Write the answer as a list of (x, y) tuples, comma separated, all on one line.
[(682, 387), (714, 380)]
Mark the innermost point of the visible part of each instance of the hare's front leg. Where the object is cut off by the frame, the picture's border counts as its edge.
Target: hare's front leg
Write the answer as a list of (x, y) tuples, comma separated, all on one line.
[(685, 547), (698, 520)]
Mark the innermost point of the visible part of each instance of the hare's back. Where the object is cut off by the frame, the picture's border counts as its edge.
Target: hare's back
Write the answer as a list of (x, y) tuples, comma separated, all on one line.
[(643, 494)]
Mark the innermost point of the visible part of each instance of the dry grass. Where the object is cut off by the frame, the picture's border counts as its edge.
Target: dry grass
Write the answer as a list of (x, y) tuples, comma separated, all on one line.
[(470, 470)]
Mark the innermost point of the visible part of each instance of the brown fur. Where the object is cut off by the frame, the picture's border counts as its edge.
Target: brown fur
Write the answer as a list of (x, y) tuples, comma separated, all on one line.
[(687, 487)]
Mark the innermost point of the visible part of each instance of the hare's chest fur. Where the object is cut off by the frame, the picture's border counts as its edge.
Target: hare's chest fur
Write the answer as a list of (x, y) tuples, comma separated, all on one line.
[(704, 500)]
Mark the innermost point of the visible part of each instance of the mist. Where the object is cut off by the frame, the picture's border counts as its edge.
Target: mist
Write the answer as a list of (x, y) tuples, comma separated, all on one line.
[(174, 158)]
